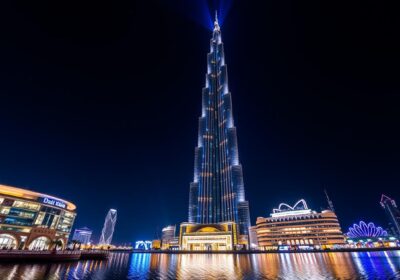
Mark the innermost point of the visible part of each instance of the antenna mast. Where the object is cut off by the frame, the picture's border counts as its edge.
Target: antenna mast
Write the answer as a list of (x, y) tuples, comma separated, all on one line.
[(330, 203)]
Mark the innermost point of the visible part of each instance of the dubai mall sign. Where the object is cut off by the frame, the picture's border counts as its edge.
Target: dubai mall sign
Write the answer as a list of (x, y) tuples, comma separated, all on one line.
[(53, 202)]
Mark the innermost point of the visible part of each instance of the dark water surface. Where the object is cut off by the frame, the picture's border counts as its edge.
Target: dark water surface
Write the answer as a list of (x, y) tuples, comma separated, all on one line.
[(373, 265)]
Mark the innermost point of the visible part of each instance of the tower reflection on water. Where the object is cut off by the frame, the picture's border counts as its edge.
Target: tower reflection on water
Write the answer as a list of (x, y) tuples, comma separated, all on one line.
[(372, 265)]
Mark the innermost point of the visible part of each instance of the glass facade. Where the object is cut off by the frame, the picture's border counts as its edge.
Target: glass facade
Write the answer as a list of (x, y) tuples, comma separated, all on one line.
[(217, 191), (108, 228), (23, 210), (83, 235), (168, 236)]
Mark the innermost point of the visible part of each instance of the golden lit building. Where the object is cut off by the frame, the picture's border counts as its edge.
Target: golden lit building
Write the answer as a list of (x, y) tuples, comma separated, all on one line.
[(298, 227), (34, 221), (156, 244), (208, 237)]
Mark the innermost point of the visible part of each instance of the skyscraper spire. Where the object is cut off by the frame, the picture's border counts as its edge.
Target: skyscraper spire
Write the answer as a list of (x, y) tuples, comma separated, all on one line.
[(216, 22), (217, 192)]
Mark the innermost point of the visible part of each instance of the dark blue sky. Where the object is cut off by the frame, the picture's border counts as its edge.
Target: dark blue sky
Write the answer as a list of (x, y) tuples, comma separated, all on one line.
[(99, 105)]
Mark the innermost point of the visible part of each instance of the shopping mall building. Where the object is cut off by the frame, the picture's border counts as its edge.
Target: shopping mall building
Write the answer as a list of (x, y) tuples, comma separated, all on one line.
[(33, 221), (297, 227)]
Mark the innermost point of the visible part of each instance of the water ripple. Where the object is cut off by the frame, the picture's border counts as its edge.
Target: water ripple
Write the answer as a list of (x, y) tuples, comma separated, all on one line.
[(302, 266)]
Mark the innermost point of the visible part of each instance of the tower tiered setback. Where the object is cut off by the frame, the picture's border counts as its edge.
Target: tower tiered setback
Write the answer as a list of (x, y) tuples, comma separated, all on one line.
[(217, 192)]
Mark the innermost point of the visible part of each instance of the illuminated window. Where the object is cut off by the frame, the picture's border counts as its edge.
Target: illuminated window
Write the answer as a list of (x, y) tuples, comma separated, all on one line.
[(4, 210), (40, 218), (55, 220), (26, 205), (21, 213)]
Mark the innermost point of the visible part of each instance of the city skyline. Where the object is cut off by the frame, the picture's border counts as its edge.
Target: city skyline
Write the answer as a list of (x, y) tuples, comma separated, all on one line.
[(102, 111)]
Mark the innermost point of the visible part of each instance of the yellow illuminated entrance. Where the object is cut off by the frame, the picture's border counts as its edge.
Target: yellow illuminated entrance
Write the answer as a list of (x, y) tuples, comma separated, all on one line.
[(208, 237), (207, 242)]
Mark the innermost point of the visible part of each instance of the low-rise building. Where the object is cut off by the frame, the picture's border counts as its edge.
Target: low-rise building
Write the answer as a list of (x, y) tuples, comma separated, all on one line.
[(208, 237), (298, 227), (253, 238), (83, 235), (32, 220), (156, 244)]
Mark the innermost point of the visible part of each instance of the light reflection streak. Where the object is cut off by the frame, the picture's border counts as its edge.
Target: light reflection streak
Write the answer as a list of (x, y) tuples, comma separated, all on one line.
[(219, 266), (391, 265), (374, 265), (12, 273)]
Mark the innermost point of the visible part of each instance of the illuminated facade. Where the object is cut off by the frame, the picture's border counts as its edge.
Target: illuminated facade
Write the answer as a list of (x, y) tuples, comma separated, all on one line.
[(217, 192), (363, 235), (143, 245), (108, 228), (167, 237), (297, 227), (366, 230), (208, 237), (35, 221), (392, 212), (253, 238), (83, 235)]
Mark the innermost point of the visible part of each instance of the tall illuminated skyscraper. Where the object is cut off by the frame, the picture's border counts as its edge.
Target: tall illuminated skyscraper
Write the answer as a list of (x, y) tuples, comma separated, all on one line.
[(108, 228), (392, 212), (217, 191)]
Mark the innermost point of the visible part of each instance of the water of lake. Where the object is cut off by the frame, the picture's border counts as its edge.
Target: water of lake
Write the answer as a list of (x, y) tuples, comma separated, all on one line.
[(373, 265)]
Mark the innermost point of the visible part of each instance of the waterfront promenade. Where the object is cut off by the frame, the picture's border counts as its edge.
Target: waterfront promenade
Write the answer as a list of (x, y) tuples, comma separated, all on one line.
[(51, 256), (119, 266), (343, 250)]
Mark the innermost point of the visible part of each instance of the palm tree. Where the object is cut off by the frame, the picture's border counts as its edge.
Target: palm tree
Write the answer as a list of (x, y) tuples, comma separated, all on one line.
[(54, 244), (58, 243), (75, 243)]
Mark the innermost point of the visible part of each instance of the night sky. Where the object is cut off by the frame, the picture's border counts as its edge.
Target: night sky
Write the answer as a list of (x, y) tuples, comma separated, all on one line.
[(99, 104)]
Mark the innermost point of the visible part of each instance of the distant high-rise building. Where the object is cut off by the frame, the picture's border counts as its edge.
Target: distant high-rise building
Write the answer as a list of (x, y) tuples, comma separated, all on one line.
[(253, 237), (108, 228), (217, 192), (167, 236), (82, 235), (392, 212)]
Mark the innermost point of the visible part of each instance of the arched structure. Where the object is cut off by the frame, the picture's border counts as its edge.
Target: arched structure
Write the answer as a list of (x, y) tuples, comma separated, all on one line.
[(8, 241), (143, 245), (208, 237), (60, 244), (40, 243), (363, 229), (299, 205), (27, 215)]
